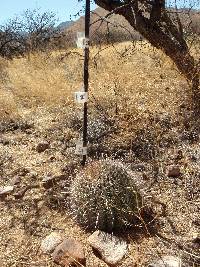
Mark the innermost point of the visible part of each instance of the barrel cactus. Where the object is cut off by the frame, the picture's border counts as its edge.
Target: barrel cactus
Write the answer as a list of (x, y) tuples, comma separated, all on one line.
[(104, 196)]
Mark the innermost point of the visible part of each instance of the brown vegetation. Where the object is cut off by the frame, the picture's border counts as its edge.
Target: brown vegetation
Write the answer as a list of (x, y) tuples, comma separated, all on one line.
[(138, 114)]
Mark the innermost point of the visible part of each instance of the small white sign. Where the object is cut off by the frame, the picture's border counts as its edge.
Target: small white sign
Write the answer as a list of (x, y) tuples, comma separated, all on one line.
[(80, 149), (81, 97), (86, 43), (81, 41)]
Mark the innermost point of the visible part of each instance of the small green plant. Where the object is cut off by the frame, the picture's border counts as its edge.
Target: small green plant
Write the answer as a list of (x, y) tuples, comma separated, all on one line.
[(104, 196)]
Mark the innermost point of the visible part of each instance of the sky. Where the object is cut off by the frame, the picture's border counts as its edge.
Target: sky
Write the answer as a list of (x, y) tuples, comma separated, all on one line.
[(62, 8)]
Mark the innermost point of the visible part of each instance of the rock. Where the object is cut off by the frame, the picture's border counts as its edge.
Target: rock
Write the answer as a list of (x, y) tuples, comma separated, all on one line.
[(179, 155), (69, 253), (5, 142), (24, 171), (5, 191), (49, 244), (196, 240), (41, 147), (109, 247), (167, 261), (16, 180), (52, 158), (174, 171), (21, 171), (48, 182), (196, 243), (20, 194)]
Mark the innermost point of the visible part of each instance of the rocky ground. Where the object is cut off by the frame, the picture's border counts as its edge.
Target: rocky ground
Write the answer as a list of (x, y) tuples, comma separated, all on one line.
[(37, 162)]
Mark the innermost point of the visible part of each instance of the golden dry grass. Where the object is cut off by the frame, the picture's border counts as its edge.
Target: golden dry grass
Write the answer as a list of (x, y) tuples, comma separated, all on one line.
[(142, 79), (39, 89)]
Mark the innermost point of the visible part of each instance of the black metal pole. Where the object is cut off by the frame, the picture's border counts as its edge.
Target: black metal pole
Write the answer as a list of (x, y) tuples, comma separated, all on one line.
[(86, 75)]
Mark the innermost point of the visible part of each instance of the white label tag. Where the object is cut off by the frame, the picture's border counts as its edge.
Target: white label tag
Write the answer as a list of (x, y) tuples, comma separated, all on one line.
[(80, 149), (83, 42), (79, 42), (81, 97), (86, 43)]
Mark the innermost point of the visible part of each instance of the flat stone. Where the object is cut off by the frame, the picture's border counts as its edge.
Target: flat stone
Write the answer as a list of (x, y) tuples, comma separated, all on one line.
[(50, 242), (111, 249), (69, 253), (167, 261), (5, 191), (173, 171)]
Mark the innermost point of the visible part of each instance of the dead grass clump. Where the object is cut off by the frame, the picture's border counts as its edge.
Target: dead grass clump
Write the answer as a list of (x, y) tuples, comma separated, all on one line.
[(38, 80), (3, 70), (8, 106)]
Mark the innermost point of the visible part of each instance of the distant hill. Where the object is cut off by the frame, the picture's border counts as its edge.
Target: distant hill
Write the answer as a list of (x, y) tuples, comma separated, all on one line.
[(65, 25), (117, 29)]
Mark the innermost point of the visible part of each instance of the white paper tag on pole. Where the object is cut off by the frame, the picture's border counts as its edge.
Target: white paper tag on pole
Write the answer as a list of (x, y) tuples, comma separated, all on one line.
[(81, 97), (86, 43), (80, 149), (81, 41)]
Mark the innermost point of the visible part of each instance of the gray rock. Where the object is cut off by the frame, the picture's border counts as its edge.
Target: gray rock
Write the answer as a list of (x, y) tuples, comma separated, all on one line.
[(5, 191), (49, 244), (16, 180), (167, 261), (69, 253), (111, 248)]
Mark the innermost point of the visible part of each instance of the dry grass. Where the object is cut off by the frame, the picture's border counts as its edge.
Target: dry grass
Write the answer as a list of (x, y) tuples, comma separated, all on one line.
[(141, 80), (146, 99), (129, 83)]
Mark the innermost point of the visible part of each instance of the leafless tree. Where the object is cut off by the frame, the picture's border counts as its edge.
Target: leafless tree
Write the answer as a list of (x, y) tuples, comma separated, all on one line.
[(163, 28), (40, 29), (12, 42), (32, 31)]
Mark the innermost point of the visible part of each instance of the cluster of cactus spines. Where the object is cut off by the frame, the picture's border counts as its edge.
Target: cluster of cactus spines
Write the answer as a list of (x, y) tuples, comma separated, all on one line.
[(104, 196)]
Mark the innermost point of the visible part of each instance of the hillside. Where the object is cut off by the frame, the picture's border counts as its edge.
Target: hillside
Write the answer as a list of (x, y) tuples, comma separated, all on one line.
[(65, 25), (116, 28)]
